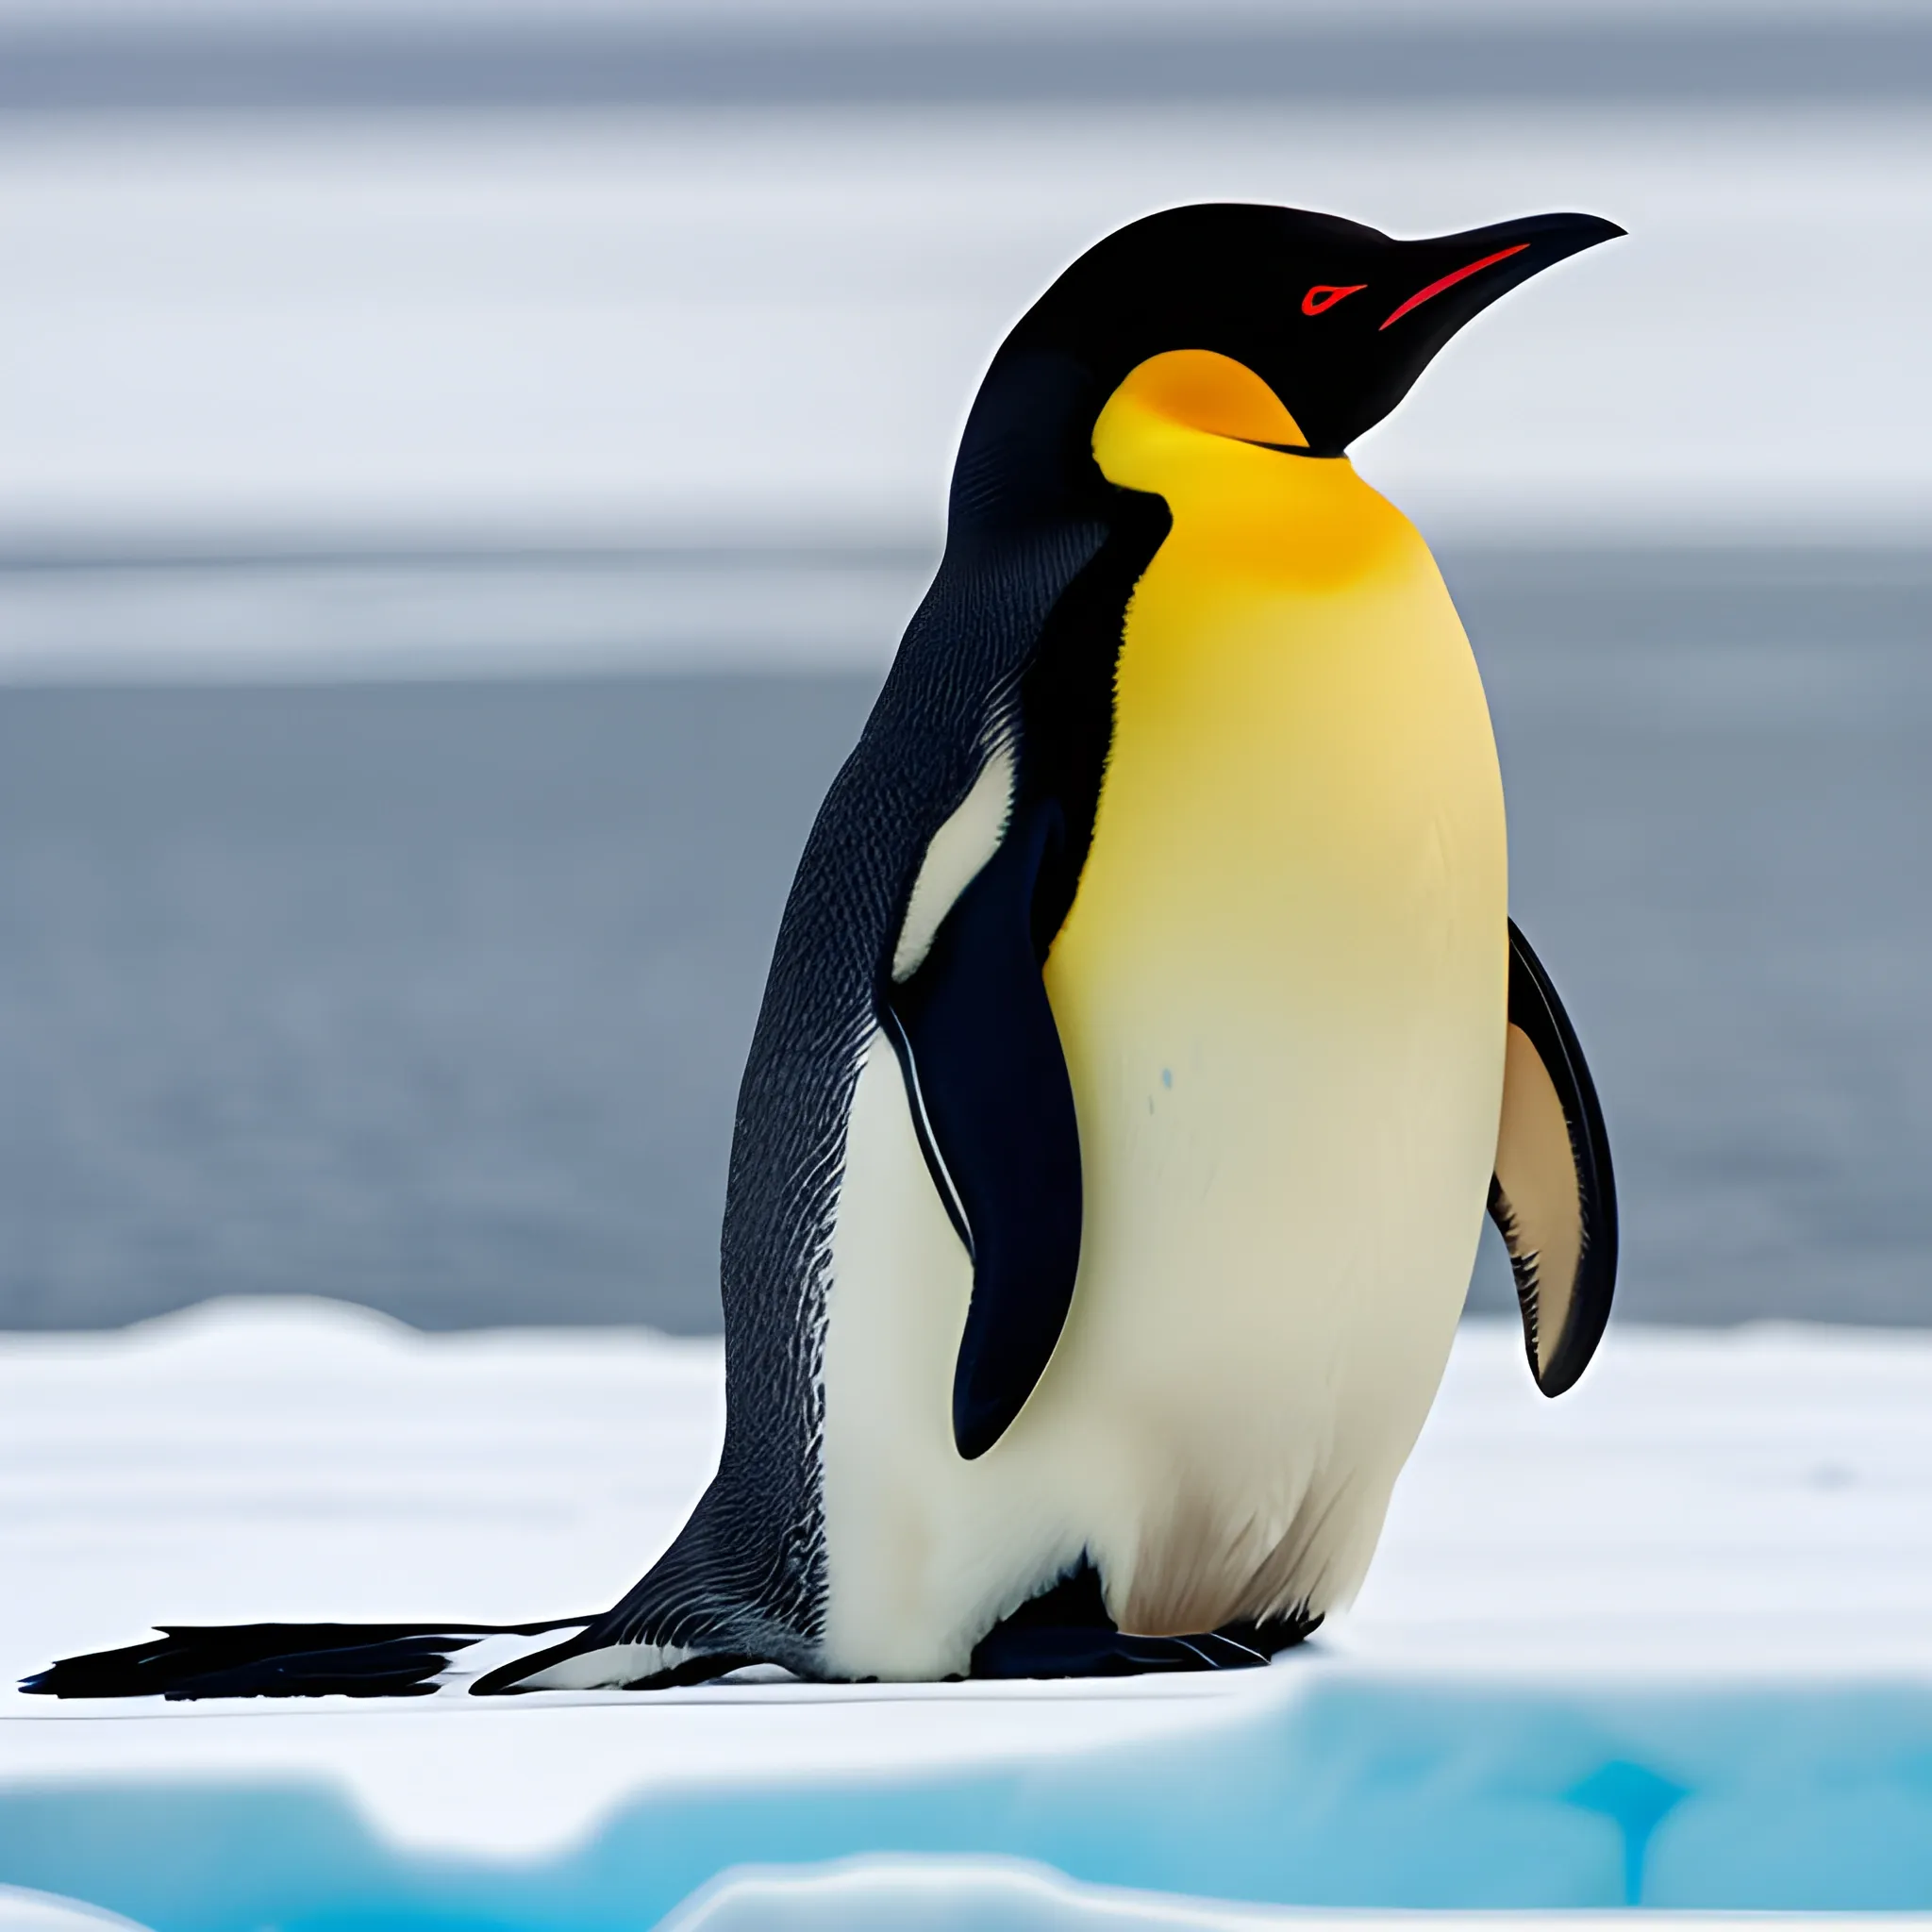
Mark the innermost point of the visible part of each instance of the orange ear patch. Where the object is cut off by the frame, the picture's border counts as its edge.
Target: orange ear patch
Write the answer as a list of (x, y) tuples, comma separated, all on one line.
[(1203, 391)]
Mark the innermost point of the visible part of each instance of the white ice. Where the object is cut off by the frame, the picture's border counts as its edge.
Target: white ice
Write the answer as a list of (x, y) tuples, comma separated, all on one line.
[(1725, 1507)]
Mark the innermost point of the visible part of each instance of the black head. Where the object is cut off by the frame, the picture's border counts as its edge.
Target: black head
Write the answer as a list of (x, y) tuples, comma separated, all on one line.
[(1338, 319)]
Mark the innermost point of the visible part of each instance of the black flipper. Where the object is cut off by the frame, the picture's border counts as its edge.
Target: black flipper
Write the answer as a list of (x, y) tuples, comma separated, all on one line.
[(1554, 1197), (994, 1108), (1066, 1632), (188, 1661)]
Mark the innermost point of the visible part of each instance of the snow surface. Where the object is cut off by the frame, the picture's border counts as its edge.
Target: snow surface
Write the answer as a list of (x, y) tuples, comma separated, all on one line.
[(1706, 1509)]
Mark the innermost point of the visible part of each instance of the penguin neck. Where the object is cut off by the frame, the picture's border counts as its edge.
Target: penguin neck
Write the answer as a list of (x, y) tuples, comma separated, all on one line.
[(1024, 462), (1306, 522)]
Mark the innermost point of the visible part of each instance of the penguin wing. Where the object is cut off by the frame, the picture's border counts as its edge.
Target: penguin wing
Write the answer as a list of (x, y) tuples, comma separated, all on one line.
[(1554, 1197), (994, 1107)]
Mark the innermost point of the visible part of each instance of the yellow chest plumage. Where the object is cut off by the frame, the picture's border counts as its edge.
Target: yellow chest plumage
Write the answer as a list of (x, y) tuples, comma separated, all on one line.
[(1302, 813), (1281, 993)]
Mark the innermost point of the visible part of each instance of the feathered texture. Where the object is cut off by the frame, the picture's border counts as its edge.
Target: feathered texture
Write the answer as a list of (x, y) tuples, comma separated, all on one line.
[(188, 1661), (1066, 1632), (745, 1577), (1016, 642)]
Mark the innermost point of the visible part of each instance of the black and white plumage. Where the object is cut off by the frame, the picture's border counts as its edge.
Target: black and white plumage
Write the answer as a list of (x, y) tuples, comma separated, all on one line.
[(965, 1431), (745, 1579)]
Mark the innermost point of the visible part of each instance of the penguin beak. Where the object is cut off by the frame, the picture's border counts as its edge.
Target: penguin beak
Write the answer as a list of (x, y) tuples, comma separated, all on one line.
[(1404, 314), (1457, 276)]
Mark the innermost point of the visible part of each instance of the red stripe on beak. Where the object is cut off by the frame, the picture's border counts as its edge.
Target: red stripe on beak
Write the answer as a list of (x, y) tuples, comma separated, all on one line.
[(1449, 281)]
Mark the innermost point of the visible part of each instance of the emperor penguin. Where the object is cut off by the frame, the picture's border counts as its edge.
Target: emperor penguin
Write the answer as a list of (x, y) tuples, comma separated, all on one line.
[(1145, 1038)]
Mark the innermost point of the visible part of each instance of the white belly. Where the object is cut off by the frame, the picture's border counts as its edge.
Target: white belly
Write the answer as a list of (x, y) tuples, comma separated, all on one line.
[(1252, 1350)]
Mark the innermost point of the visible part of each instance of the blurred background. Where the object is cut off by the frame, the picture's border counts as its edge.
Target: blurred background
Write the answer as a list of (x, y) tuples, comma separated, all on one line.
[(464, 469)]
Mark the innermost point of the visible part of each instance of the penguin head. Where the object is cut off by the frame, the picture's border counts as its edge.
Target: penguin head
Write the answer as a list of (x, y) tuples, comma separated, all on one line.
[(1336, 319)]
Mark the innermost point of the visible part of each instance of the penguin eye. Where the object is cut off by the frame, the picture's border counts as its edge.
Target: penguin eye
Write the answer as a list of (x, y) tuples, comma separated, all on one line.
[(1449, 281), (1325, 295)]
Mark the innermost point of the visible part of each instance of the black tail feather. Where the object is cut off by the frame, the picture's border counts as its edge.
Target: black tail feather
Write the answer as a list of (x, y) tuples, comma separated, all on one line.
[(188, 1661)]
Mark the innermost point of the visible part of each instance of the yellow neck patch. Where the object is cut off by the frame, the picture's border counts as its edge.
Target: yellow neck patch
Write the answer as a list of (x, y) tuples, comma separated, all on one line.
[(1186, 427), (1195, 389)]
